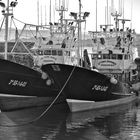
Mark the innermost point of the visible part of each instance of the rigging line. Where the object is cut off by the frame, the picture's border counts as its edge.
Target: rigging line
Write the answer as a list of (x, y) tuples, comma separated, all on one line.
[(14, 23), (85, 33), (39, 32), (21, 42), (18, 38), (47, 109), (2, 23), (1, 19), (31, 32), (19, 20)]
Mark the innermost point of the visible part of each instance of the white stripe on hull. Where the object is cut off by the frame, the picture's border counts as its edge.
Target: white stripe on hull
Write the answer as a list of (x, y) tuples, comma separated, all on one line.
[(15, 96)]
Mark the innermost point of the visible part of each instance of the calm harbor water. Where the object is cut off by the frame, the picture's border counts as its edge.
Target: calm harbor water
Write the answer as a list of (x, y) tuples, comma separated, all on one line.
[(116, 123)]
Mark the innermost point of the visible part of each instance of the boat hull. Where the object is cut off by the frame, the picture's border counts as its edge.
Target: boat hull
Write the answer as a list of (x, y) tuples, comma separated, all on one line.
[(9, 103), (16, 79), (80, 83), (22, 87), (81, 105)]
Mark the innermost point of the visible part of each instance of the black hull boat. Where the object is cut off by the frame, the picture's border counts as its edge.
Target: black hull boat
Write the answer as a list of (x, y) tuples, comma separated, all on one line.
[(22, 87), (81, 83), (86, 89)]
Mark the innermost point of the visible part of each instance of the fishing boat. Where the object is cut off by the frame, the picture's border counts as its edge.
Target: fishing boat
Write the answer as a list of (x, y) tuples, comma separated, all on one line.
[(22, 86), (88, 89), (113, 48), (116, 59)]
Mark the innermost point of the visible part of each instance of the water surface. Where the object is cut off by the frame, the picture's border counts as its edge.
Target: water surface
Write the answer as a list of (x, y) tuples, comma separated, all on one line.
[(116, 123)]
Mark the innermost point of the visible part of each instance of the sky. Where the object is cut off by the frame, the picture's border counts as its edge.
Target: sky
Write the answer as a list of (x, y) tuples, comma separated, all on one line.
[(26, 11)]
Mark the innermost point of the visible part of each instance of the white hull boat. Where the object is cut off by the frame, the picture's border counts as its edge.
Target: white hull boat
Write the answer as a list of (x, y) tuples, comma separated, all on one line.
[(84, 105)]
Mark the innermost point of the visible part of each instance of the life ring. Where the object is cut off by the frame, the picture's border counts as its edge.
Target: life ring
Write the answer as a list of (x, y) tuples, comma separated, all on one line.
[(113, 80), (44, 76), (48, 82)]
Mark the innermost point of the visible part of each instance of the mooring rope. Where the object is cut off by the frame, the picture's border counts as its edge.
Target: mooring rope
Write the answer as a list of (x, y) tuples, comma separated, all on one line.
[(46, 110)]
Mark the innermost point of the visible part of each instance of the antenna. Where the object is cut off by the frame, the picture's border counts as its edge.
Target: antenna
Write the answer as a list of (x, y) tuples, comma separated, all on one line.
[(61, 6), (120, 7), (112, 6), (38, 12), (45, 16), (123, 8), (107, 11), (105, 14), (96, 15), (54, 13), (131, 13), (50, 11), (41, 14), (116, 13)]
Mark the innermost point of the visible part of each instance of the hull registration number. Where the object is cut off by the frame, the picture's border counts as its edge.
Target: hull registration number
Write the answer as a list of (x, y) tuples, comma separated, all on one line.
[(17, 83), (99, 88)]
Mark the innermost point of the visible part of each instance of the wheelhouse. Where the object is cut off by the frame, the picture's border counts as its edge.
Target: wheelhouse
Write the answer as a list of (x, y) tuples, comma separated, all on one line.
[(50, 52), (111, 56)]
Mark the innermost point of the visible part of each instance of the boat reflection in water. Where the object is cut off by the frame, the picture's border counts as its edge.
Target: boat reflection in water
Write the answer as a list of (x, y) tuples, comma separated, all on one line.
[(30, 125), (115, 123), (59, 124)]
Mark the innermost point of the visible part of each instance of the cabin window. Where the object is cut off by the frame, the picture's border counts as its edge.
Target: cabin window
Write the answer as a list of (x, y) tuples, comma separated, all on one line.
[(47, 52), (105, 56), (120, 56), (39, 52), (126, 57), (114, 56), (54, 52), (60, 53), (110, 56), (67, 53), (94, 56), (99, 56)]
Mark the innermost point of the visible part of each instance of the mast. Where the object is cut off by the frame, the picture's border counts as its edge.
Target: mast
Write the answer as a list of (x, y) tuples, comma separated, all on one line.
[(116, 14), (50, 19), (131, 13), (41, 15), (45, 16), (123, 9), (38, 12), (79, 33), (50, 11), (61, 6), (107, 12), (81, 18), (7, 11), (96, 16), (6, 29)]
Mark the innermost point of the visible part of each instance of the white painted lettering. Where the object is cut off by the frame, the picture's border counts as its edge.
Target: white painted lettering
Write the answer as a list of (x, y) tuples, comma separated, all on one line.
[(17, 83), (99, 88)]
